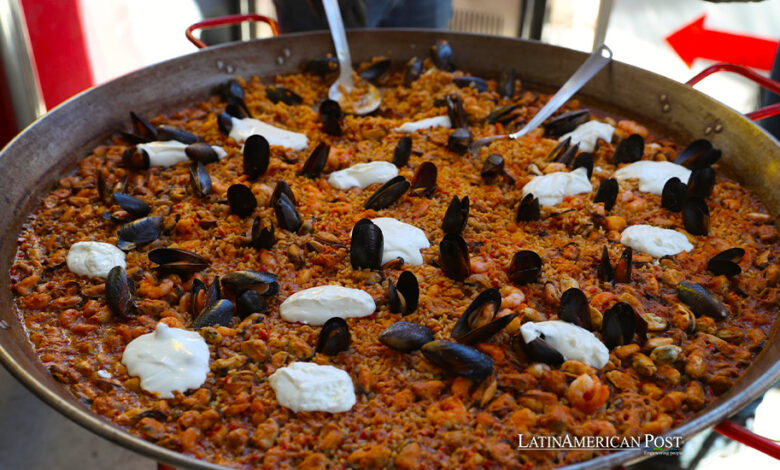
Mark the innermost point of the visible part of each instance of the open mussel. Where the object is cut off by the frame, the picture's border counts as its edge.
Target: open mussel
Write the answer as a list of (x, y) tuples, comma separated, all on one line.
[(178, 261), (366, 246), (132, 205), (287, 216), (607, 193), (218, 314), (620, 324), (406, 336), (139, 232), (200, 181), (225, 123), (424, 180), (135, 158), (201, 152), (261, 237), (277, 93), (316, 161), (455, 111), (376, 70), (701, 182), (403, 296), (237, 109), (494, 167), (402, 151), (388, 193), (560, 149), (479, 323), (457, 216), (143, 130), (241, 199), (629, 150), (459, 140), (441, 55), (574, 308), (413, 70), (257, 156), (454, 257), (506, 83), (459, 359), (214, 292), (232, 90), (282, 188), (334, 337), (528, 209), (701, 300), (504, 114), (621, 273), (321, 65), (674, 194), (264, 283), (249, 302), (699, 154), (696, 216), (525, 268), (196, 287), (537, 349), (566, 122), (605, 272), (567, 156), (119, 293), (725, 262), (172, 133), (468, 81), (584, 160), (330, 117)]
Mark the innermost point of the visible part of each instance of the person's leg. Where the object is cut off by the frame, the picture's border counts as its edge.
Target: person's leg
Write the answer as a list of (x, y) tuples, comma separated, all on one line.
[(418, 14), (772, 125)]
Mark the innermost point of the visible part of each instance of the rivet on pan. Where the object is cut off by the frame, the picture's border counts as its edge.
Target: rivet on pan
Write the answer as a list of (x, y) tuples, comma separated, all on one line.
[(708, 130), (286, 52), (666, 107), (663, 98), (280, 60), (719, 128), (230, 69), (220, 64)]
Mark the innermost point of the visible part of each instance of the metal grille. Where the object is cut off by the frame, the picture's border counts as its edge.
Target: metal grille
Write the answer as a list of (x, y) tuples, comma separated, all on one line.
[(500, 17), (477, 22)]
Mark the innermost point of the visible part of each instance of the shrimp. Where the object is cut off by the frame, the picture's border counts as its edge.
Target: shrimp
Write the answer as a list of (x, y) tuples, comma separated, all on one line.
[(587, 393)]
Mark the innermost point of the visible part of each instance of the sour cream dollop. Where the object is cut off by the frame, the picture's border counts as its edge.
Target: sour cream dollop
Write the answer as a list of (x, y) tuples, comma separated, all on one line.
[(588, 133), (427, 123), (171, 152), (316, 305), (94, 259), (550, 189), (363, 175), (401, 239), (168, 359), (652, 175), (305, 386), (574, 343), (655, 241), (243, 128)]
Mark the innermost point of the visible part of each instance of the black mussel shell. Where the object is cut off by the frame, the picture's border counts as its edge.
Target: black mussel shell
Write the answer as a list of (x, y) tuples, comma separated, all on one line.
[(132, 205), (143, 128), (457, 216), (220, 313), (277, 93), (313, 165), (460, 140), (257, 156), (454, 257), (725, 262), (241, 199), (404, 296), (459, 359), (402, 152), (139, 232), (237, 108), (287, 216), (701, 301), (525, 268), (388, 193), (177, 260), (200, 181), (506, 83), (232, 90), (696, 216), (701, 182), (424, 179), (479, 323), (413, 70), (479, 83), (249, 302), (330, 117), (584, 160), (119, 295), (334, 337), (574, 308), (493, 166), (197, 286), (566, 122), (282, 188), (366, 246), (503, 114), (321, 65), (171, 133), (607, 193), (623, 266), (376, 70), (262, 238), (260, 281), (406, 336), (618, 325), (528, 209), (135, 158), (674, 194), (441, 55), (699, 154), (559, 150), (102, 188), (133, 139), (225, 123), (538, 350), (629, 150), (214, 292), (605, 273), (567, 156), (201, 152), (455, 111)]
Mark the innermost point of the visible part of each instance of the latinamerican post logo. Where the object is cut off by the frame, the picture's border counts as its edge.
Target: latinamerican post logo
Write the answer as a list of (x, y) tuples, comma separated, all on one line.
[(650, 444)]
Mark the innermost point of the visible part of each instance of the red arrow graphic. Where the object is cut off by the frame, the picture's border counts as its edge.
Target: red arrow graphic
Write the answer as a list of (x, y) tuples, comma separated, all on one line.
[(693, 42)]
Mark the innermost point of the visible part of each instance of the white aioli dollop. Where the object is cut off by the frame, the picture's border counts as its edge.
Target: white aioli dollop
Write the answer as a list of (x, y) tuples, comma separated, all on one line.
[(652, 175), (655, 241), (305, 386), (94, 258), (574, 343), (316, 305), (587, 134), (401, 239), (551, 188), (363, 175), (171, 152), (243, 128), (168, 359), (427, 123)]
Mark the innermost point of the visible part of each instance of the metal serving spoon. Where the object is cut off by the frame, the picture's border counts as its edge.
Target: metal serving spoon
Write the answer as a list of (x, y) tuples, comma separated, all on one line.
[(368, 102), (587, 70)]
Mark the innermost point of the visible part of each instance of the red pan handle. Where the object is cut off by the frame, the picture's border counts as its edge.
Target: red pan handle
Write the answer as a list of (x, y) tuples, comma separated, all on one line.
[(738, 433), (225, 21), (771, 85)]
